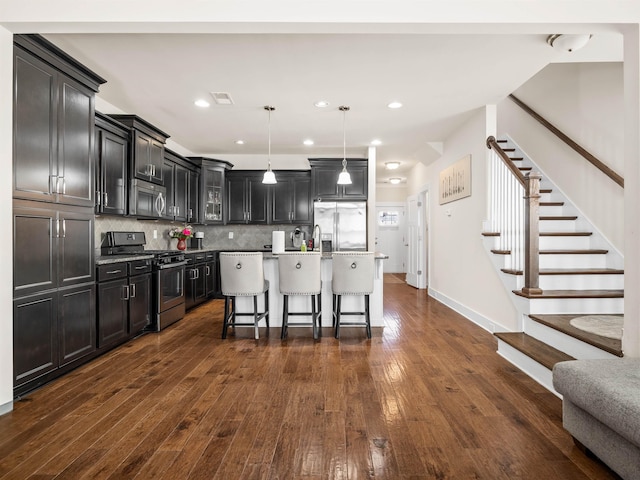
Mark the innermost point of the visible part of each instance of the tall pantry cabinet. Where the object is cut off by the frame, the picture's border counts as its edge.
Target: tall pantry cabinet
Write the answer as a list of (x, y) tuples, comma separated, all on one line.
[(53, 217)]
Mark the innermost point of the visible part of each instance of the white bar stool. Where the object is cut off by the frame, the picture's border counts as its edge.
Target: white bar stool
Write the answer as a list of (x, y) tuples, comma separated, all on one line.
[(353, 274), (242, 275), (299, 274)]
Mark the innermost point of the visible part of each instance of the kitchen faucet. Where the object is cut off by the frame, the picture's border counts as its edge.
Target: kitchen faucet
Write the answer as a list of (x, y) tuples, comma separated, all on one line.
[(319, 237)]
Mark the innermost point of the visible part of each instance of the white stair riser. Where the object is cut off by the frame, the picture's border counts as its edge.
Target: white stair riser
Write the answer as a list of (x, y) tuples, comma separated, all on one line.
[(564, 243), (538, 372), (550, 210), (576, 282), (545, 197), (577, 305), (573, 261), (557, 225), (565, 343), (582, 282)]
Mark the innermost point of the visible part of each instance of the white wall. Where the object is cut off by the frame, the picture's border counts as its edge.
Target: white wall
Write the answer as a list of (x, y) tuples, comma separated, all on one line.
[(391, 193), (6, 264), (460, 271), (586, 102)]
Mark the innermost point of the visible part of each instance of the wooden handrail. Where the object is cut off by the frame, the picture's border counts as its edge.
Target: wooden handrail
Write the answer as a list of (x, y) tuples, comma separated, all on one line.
[(492, 144), (562, 136)]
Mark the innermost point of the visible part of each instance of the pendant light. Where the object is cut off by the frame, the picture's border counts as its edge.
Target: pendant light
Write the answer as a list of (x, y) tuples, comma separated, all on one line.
[(344, 178), (269, 177)]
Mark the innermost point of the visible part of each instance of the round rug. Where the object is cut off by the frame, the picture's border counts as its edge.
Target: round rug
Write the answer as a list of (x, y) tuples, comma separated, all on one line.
[(609, 326)]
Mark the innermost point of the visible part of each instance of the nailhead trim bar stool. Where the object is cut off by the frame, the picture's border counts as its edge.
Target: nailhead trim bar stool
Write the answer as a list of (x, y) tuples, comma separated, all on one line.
[(352, 275), (299, 274), (242, 275)]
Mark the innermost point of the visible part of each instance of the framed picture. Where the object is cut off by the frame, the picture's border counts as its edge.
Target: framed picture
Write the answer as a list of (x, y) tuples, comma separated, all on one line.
[(455, 181)]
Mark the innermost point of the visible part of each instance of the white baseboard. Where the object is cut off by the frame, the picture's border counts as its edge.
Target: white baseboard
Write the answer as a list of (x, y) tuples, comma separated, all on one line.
[(480, 320), (6, 408)]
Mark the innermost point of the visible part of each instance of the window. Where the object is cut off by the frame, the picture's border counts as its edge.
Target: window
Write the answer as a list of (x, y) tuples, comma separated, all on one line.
[(389, 218)]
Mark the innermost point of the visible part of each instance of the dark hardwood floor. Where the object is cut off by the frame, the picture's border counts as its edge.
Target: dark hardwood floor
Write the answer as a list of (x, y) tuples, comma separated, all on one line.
[(426, 398)]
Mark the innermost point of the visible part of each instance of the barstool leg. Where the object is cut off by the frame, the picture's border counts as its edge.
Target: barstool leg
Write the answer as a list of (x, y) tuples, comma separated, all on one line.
[(266, 308), (256, 333), (313, 317), (367, 316), (320, 314), (225, 323), (337, 318), (285, 317), (333, 312)]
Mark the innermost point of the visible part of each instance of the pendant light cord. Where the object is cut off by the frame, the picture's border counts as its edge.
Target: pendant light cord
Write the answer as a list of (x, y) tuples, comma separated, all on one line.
[(344, 109)]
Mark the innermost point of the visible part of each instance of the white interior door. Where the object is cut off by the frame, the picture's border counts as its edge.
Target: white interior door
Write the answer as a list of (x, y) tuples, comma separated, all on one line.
[(413, 233), (390, 235)]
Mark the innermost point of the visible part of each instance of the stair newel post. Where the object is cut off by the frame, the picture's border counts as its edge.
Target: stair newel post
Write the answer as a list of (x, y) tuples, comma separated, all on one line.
[(532, 234)]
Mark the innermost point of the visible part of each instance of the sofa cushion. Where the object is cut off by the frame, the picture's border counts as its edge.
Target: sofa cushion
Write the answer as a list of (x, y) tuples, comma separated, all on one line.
[(608, 389)]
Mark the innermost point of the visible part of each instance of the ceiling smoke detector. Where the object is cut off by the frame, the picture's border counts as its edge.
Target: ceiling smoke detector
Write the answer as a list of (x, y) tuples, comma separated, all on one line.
[(222, 98), (568, 43)]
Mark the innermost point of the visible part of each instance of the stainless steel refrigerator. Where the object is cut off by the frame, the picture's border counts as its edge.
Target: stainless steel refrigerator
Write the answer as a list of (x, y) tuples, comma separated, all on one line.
[(343, 225)]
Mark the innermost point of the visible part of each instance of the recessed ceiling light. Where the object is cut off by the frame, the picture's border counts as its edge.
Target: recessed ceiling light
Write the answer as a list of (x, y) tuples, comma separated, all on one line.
[(395, 180), (308, 142), (222, 98), (239, 142), (391, 165), (394, 105), (321, 104), (376, 142), (202, 103)]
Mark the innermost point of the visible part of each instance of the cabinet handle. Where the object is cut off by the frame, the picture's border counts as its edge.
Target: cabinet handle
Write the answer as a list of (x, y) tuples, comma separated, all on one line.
[(140, 267), (53, 189), (57, 228), (106, 199), (177, 211), (98, 198), (64, 186), (207, 270), (190, 214), (153, 170), (64, 228), (133, 290), (113, 272), (125, 289)]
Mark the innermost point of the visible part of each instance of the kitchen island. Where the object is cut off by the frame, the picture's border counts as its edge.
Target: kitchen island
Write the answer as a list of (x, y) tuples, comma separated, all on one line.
[(302, 303)]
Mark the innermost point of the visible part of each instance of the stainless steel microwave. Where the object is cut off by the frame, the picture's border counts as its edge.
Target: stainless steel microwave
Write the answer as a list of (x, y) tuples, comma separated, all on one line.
[(147, 200)]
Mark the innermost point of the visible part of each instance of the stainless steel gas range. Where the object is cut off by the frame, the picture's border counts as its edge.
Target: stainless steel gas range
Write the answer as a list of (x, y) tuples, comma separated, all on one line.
[(168, 275)]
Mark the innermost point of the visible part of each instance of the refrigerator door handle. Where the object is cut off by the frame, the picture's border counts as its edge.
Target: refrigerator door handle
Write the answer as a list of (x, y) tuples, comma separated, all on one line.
[(336, 230)]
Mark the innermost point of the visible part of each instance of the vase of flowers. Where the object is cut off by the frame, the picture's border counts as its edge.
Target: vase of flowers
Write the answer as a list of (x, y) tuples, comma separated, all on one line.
[(181, 234)]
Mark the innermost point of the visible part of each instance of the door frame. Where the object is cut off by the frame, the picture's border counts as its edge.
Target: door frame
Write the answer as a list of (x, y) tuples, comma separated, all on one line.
[(424, 241)]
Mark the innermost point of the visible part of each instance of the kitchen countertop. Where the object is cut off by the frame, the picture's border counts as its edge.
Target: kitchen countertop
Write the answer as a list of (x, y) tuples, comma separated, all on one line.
[(267, 254)]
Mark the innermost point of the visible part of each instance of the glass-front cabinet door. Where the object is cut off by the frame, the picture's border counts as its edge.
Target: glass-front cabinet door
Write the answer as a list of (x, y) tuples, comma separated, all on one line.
[(212, 184)]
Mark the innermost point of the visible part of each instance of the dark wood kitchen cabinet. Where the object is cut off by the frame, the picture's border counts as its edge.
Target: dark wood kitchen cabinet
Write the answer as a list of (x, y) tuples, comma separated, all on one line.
[(50, 331), (53, 124), (195, 279), (124, 301), (147, 148), (180, 179), (112, 147), (211, 196), (291, 198), (324, 179), (53, 247), (247, 198)]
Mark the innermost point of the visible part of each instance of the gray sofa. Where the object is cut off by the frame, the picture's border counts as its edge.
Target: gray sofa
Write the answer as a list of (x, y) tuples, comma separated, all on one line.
[(601, 409)]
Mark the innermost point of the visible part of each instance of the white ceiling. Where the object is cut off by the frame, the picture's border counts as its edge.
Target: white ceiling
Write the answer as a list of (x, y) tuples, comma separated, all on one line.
[(440, 79)]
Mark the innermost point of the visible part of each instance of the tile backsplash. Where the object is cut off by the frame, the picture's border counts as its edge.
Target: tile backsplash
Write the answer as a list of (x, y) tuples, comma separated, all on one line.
[(245, 237)]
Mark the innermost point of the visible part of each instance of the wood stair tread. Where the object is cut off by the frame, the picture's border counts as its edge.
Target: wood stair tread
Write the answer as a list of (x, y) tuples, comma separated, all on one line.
[(490, 234), (592, 251), (542, 353), (558, 217), (516, 159), (551, 204), (525, 169), (566, 234), (570, 271), (549, 294), (562, 323), (546, 190)]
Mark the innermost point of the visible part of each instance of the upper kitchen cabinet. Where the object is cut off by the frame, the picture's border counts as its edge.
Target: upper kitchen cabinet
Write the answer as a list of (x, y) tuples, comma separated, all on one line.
[(180, 177), (147, 148), (212, 189), (291, 198), (247, 198), (324, 179), (112, 146), (53, 124)]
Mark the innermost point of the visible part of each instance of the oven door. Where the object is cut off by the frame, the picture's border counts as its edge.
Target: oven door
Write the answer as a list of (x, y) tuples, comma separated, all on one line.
[(169, 286), (147, 200)]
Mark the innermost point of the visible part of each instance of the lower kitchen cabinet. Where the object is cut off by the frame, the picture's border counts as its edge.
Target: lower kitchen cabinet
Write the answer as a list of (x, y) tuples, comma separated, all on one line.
[(124, 301), (200, 278), (52, 330)]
